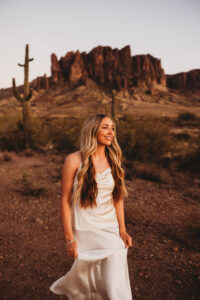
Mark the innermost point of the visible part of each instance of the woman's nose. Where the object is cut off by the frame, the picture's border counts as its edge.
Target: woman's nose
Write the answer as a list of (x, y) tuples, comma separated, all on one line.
[(111, 132)]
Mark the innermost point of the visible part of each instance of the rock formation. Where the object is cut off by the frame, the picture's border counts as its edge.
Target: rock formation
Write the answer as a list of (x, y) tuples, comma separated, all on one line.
[(41, 82), (111, 68), (184, 80)]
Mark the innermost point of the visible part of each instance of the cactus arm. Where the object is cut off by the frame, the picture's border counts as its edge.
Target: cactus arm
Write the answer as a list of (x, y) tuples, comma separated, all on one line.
[(23, 65), (29, 95), (15, 92)]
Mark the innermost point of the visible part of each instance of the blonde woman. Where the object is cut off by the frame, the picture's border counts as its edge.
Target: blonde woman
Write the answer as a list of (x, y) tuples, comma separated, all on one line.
[(93, 217)]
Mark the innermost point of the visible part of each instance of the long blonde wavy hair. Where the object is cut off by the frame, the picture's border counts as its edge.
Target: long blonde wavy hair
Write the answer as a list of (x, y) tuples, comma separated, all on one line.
[(86, 183)]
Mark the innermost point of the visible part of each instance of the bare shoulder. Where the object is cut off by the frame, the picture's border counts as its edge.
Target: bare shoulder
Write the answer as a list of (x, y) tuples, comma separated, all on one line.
[(70, 166), (72, 161)]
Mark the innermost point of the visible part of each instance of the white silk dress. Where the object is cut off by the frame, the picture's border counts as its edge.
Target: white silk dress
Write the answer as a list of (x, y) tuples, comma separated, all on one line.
[(100, 272)]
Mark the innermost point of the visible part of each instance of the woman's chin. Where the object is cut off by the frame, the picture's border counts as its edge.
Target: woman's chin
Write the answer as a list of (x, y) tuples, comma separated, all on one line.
[(108, 143)]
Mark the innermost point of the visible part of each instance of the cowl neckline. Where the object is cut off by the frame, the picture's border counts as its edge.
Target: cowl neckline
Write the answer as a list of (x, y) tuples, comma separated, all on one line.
[(102, 173), (105, 171)]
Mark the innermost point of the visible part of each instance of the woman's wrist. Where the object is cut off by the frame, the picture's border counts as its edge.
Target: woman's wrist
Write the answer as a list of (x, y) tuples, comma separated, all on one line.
[(69, 242), (122, 228), (69, 237)]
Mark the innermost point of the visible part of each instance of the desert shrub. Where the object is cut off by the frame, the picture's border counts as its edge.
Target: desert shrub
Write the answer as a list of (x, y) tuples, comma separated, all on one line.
[(6, 156), (146, 170), (128, 119), (39, 133), (186, 116), (11, 136), (29, 187), (191, 160), (146, 139), (184, 135), (64, 134), (151, 171)]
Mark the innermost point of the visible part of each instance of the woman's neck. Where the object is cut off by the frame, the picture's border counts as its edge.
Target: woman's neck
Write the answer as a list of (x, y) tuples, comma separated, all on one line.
[(99, 153)]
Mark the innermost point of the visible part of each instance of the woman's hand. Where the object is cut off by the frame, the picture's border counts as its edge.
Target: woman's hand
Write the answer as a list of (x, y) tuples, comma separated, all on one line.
[(126, 238), (72, 249)]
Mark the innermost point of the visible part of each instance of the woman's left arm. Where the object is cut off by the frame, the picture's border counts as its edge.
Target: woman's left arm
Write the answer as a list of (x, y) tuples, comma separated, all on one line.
[(119, 208)]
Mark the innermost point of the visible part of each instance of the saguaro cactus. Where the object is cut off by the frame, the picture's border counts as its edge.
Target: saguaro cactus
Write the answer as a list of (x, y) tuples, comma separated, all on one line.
[(25, 99), (113, 107)]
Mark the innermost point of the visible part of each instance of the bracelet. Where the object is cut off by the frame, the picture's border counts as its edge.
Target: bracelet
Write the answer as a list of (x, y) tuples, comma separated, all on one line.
[(69, 242)]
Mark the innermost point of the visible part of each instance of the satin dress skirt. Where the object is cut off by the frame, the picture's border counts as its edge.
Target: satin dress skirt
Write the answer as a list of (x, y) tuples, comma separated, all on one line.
[(100, 272)]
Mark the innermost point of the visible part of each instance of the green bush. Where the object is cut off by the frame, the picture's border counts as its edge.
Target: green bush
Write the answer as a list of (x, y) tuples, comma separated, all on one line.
[(191, 160), (147, 139), (64, 134), (11, 137), (39, 133)]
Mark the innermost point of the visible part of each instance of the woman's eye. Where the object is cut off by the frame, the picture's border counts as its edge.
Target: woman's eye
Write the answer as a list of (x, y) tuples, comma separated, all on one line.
[(104, 128), (107, 127)]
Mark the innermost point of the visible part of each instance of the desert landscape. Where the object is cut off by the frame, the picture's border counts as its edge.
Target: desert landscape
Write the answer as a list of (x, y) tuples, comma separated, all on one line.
[(158, 128)]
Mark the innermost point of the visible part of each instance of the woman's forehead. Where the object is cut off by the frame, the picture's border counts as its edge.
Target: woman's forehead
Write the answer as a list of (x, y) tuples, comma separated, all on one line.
[(107, 121)]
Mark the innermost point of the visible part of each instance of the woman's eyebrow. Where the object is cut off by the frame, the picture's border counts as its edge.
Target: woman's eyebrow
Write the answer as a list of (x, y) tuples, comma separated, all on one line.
[(108, 125)]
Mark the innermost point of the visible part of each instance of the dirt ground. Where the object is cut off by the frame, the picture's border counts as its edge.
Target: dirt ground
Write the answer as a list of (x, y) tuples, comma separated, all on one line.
[(164, 262)]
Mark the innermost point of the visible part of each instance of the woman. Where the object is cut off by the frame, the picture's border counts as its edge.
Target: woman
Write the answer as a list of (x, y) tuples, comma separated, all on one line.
[(93, 217)]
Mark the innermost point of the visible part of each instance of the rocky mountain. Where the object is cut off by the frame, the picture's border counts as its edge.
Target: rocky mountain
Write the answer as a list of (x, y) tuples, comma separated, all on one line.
[(184, 80), (114, 68), (111, 68)]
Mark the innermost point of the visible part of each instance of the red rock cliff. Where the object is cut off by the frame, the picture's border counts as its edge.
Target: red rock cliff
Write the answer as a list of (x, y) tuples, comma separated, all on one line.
[(184, 80), (112, 68)]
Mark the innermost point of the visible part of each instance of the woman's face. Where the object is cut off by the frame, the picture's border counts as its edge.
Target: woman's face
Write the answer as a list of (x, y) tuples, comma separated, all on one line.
[(106, 132)]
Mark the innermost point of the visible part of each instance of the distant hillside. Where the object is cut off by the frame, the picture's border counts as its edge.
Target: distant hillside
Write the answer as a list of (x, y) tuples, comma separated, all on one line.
[(64, 100)]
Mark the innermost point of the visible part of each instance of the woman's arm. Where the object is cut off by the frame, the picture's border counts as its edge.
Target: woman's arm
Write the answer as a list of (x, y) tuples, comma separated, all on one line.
[(68, 173), (119, 208)]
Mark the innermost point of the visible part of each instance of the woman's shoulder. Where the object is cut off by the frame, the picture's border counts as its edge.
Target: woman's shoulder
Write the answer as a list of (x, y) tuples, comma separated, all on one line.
[(74, 158)]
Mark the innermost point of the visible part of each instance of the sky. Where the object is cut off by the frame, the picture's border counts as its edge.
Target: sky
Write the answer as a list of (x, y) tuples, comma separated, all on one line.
[(166, 29)]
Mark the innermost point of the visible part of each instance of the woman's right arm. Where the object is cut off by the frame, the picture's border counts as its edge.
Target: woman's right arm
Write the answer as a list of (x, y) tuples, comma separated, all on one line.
[(68, 173)]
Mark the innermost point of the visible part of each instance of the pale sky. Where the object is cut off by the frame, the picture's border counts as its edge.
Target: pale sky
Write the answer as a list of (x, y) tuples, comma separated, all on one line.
[(167, 29)]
